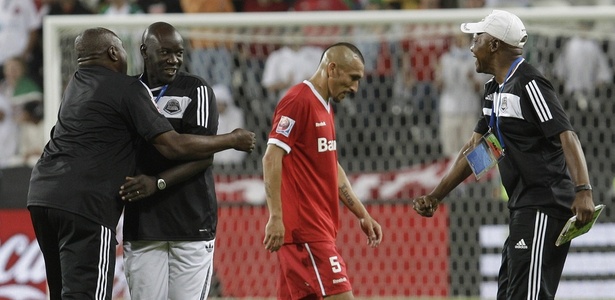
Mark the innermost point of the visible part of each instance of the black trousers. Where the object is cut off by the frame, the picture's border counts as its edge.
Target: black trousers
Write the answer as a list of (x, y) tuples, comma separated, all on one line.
[(531, 263), (79, 254)]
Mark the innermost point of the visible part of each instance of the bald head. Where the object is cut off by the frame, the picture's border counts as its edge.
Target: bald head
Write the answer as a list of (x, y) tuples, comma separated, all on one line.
[(340, 69), (158, 31), (341, 53), (162, 50), (100, 46)]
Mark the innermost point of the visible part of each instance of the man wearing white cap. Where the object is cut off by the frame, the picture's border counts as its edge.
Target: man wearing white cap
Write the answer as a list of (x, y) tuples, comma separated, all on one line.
[(541, 162)]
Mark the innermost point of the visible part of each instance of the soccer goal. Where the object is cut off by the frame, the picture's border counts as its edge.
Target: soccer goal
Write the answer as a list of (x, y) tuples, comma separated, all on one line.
[(387, 138)]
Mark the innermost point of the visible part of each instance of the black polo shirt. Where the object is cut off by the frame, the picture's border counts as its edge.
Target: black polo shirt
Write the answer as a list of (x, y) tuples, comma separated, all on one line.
[(92, 147), (187, 211), (530, 116)]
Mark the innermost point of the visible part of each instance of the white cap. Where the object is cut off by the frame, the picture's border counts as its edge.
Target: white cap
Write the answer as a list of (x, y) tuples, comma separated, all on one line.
[(502, 25)]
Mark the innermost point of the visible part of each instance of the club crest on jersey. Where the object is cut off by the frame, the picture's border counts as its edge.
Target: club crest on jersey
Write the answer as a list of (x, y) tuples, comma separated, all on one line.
[(285, 125), (504, 104), (172, 107)]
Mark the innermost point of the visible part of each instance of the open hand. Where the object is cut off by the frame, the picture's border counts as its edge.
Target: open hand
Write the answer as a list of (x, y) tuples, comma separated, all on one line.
[(138, 187), (274, 234), (373, 230)]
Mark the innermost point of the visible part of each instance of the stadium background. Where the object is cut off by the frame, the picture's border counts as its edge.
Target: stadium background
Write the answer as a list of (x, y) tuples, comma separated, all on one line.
[(387, 142)]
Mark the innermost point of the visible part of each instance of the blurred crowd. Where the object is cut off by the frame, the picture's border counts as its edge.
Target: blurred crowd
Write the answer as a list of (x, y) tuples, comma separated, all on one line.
[(21, 59)]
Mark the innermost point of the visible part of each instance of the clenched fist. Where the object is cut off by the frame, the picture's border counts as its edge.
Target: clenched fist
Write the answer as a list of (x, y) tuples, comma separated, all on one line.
[(426, 205), (244, 140)]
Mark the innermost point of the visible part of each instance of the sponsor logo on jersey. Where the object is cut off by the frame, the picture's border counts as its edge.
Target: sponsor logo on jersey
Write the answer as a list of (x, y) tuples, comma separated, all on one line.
[(285, 125), (326, 145), (339, 280), (172, 107), (321, 124)]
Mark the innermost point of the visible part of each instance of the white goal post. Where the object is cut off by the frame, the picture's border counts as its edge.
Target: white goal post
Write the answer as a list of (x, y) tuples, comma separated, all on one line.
[(55, 25)]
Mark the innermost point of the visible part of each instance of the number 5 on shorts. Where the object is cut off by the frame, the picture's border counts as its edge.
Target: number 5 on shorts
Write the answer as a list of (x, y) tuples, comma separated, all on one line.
[(335, 265)]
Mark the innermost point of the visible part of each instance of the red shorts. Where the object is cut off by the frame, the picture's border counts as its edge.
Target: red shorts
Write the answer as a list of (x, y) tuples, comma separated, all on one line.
[(311, 269)]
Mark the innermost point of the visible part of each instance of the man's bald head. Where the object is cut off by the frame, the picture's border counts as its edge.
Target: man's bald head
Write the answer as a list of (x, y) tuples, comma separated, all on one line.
[(162, 50), (341, 67), (342, 53), (156, 31), (94, 42), (100, 46)]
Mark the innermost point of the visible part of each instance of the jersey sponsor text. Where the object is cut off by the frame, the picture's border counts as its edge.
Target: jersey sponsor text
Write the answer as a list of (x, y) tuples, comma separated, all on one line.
[(325, 145)]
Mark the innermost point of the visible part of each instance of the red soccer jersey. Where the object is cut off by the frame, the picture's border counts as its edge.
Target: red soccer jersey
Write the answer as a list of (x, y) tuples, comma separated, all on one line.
[(303, 126)]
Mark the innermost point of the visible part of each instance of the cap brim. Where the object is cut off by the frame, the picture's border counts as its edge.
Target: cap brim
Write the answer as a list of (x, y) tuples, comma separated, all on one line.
[(473, 27)]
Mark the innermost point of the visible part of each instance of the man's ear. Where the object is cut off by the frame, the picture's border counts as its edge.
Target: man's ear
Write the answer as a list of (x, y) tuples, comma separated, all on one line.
[(332, 69), (495, 44), (112, 53), (143, 50)]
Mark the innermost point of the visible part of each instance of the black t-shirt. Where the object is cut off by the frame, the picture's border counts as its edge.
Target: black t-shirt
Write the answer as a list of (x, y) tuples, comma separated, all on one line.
[(93, 145), (534, 170), (186, 211)]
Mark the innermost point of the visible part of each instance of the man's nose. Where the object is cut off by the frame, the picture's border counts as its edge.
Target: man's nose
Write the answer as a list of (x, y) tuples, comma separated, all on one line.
[(173, 59)]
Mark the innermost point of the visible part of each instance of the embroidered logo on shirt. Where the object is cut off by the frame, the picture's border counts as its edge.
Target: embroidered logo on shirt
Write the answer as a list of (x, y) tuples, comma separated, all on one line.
[(321, 124), (172, 107), (521, 245), (504, 104), (285, 125)]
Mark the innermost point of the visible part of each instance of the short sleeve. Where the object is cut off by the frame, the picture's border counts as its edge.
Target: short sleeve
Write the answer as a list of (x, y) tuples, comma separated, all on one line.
[(142, 112), (288, 122), (544, 105)]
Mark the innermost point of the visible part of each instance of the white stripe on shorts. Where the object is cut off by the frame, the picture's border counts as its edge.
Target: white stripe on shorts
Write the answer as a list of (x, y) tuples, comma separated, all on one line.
[(322, 288), (103, 263), (540, 228)]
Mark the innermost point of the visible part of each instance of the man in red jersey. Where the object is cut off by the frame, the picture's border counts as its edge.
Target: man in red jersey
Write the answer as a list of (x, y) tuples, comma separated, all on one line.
[(304, 182)]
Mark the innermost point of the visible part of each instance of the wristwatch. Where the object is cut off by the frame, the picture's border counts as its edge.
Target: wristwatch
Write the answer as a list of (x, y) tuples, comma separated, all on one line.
[(582, 187), (161, 184)]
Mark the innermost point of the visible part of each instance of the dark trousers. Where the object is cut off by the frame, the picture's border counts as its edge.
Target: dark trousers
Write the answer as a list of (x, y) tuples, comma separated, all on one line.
[(79, 254), (531, 263)]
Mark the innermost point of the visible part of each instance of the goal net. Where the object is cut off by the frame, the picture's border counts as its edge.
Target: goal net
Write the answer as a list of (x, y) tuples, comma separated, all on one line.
[(388, 140)]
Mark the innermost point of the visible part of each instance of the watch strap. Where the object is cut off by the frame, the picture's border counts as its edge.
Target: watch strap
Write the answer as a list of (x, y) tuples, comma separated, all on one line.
[(582, 187)]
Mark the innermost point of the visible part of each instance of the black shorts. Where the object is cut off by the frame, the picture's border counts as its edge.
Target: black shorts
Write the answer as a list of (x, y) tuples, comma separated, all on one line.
[(79, 254), (531, 263)]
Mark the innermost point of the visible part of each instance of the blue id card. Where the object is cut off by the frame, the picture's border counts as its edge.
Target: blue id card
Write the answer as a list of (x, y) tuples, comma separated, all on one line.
[(484, 156)]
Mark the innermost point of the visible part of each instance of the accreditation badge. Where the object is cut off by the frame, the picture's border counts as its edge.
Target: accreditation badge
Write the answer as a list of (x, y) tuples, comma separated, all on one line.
[(485, 155)]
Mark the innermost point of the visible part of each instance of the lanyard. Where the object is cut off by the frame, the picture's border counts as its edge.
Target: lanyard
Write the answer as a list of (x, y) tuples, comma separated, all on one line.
[(164, 89), (493, 122)]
